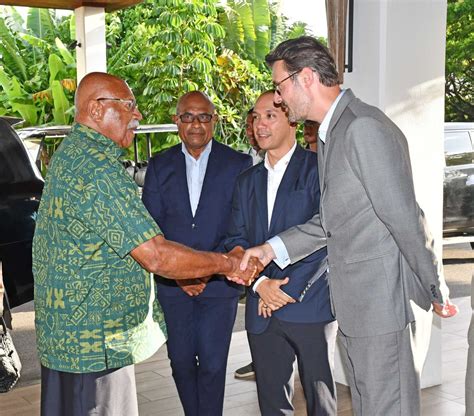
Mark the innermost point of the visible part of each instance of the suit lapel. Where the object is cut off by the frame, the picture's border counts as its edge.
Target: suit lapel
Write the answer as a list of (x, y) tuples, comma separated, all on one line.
[(286, 186), (182, 181), (260, 192), (329, 145), (212, 170)]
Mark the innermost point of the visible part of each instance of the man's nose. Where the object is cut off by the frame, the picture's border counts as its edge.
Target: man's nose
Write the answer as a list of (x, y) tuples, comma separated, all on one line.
[(277, 97), (137, 114)]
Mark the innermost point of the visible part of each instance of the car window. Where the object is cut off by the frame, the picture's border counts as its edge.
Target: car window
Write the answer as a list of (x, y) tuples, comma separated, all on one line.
[(458, 148), (15, 166), (457, 142)]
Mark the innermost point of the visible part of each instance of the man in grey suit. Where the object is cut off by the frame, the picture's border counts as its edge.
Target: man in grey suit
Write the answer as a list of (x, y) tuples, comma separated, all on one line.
[(380, 252)]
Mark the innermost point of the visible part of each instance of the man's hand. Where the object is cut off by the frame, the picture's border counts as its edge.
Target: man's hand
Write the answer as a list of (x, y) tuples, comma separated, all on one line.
[(264, 253), (263, 309), (273, 297), (192, 287), (242, 276), (205, 279), (445, 311)]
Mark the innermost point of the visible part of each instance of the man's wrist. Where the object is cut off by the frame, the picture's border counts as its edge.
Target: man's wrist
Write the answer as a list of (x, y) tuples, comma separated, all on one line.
[(258, 283), (228, 265)]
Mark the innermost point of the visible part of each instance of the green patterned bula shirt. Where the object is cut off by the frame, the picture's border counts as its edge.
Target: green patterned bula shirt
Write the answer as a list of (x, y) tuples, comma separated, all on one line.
[(95, 306)]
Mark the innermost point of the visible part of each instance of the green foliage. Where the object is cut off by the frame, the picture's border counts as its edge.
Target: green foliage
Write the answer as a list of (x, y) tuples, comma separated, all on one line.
[(459, 61), (165, 48), (37, 72)]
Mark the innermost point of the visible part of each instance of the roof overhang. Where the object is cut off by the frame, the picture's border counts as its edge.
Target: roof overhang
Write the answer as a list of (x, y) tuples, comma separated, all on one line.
[(108, 5)]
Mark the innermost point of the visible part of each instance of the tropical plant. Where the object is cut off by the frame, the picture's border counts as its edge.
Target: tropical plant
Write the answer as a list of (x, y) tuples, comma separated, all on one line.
[(459, 61), (37, 73), (165, 48)]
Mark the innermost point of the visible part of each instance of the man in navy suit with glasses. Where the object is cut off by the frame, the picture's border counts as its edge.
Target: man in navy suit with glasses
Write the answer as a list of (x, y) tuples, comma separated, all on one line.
[(188, 191)]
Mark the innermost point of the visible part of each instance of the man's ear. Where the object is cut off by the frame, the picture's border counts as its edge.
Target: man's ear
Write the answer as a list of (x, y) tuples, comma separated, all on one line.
[(174, 117), (215, 117), (95, 110), (308, 76)]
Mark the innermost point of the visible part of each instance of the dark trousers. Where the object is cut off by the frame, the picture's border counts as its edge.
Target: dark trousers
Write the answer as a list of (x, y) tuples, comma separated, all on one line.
[(104, 393), (199, 334), (274, 353)]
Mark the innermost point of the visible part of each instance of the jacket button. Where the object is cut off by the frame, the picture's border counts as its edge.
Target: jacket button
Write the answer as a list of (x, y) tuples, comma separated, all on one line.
[(193, 226), (328, 234)]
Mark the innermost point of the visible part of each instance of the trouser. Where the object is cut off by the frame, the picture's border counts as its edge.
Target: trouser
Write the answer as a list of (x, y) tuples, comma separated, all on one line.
[(381, 373), (104, 393), (274, 353), (199, 334)]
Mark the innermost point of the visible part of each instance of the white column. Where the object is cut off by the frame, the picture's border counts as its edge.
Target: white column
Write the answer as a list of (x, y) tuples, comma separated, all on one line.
[(398, 66), (90, 34)]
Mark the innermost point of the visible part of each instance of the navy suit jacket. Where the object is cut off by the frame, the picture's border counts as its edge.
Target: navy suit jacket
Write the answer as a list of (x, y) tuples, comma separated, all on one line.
[(296, 202), (166, 196)]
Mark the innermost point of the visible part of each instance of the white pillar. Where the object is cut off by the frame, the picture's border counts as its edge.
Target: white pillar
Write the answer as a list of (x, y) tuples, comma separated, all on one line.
[(90, 34), (398, 66)]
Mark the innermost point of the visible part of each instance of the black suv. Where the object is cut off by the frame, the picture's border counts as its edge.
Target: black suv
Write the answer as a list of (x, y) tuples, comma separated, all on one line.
[(21, 186)]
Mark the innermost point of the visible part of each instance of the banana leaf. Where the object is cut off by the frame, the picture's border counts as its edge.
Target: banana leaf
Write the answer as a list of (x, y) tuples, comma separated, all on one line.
[(28, 112), (66, 55), (35, 41), (261, 16), (246, 17), (10, 85), (11, 56), (55, 67), (40, 23), (61, 104)]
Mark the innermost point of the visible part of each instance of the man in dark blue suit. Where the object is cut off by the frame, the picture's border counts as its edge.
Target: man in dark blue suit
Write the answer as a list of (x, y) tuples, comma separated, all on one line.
[(188, 191), (288, 313)]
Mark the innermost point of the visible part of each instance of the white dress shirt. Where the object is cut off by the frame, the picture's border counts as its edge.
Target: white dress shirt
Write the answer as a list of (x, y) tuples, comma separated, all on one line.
[(195, 173), (275, 176)]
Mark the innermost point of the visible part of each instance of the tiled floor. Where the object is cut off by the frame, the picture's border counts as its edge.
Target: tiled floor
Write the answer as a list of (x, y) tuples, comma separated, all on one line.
[(157, 393)]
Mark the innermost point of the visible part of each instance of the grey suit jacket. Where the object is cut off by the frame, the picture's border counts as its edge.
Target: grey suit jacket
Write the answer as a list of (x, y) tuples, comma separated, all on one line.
[(380, 252)]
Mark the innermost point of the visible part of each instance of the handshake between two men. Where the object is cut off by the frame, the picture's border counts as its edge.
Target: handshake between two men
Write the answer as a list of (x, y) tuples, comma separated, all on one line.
[(272, 297), (176, 261)]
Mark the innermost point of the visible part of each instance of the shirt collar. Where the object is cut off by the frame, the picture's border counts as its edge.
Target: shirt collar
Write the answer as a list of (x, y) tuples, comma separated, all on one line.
[(205, 153), (323, 128), (102, 143), (282, 163)]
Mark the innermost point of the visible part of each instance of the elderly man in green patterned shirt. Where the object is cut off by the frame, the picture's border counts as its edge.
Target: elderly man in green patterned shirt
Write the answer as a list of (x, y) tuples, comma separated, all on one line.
[(93, 249)]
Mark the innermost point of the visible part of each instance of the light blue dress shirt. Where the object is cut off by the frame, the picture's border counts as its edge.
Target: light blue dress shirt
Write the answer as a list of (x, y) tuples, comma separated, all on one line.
[(282, 257), (195, 173)]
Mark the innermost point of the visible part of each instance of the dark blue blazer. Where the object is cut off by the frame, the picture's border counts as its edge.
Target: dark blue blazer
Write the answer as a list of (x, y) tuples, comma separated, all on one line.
[(166, 196), (296, 202)]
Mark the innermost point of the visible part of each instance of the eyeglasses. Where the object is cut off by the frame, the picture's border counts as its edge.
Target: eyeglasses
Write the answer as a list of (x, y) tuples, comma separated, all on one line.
[(129, 104), (189, 118), (276, 85)]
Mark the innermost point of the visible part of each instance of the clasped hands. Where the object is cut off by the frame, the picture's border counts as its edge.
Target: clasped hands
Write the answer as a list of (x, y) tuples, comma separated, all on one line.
[(272, 297)]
